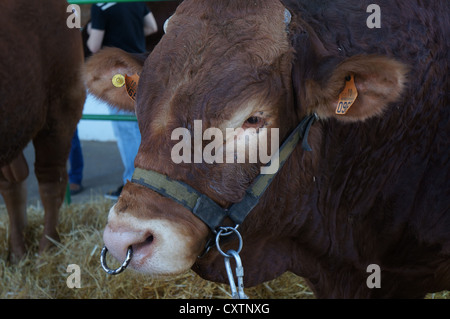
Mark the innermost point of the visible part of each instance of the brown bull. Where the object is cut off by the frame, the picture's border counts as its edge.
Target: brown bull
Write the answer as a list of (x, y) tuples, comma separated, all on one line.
[(374, 190), (41, 100)]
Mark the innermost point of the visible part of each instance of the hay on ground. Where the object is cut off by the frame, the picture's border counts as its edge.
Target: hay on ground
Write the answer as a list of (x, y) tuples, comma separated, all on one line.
[(81, 227)]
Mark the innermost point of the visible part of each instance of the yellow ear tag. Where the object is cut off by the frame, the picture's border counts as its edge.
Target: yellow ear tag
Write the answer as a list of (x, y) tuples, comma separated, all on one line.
[(131, 85), (347, 97), (118, 80)]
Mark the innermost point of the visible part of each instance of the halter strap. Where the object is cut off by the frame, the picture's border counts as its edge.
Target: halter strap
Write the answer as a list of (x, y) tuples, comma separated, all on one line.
[(204, 207)]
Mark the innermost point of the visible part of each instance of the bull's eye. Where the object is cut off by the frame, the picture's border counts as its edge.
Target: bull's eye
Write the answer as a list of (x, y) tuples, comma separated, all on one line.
[(253, 120)]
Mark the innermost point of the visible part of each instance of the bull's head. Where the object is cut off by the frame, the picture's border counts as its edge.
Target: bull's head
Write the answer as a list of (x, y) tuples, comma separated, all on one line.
[(230, 64)]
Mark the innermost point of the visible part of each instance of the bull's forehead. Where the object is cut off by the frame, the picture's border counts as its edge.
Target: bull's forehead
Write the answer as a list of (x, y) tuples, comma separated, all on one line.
[(219, 11), (229, 27), (215, 56)]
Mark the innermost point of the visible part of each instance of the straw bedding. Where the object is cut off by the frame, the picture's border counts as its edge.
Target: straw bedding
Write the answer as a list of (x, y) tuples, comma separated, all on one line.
[(80, 229)]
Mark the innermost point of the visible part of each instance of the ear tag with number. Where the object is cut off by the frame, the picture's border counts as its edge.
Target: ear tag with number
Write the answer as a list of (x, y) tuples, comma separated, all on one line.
[(347, 97), (131, 83)]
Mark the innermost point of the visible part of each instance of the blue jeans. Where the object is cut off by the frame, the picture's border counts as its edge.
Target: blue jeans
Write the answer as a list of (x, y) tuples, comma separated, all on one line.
[(76, 161), (128, 141)]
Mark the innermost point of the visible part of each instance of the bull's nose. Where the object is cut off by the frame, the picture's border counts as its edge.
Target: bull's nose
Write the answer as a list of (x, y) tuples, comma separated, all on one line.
[(118, 240), (160, 247)]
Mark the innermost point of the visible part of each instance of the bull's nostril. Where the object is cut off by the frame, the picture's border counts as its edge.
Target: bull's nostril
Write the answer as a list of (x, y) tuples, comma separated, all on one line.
[(149, 239), (144, 246)]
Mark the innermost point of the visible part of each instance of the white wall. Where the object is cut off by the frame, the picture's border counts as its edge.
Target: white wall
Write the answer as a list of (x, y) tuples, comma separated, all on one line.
[(95, 130)]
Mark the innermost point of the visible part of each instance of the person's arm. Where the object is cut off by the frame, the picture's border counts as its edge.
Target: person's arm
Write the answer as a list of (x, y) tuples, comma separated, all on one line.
[(95, 40), (96, 29), (150, 25)]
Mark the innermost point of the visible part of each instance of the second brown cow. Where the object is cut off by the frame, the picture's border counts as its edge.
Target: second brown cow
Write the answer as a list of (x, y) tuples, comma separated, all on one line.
[(41, 100)]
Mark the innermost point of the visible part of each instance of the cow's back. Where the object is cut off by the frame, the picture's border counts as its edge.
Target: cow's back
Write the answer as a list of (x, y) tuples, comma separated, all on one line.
[(39, 58)]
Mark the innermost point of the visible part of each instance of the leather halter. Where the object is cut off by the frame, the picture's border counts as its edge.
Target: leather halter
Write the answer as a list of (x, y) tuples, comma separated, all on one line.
[(204, 207)]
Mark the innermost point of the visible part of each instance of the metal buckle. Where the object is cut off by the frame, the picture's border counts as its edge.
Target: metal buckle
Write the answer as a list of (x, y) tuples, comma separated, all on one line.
[(221, 232), (239, 292)]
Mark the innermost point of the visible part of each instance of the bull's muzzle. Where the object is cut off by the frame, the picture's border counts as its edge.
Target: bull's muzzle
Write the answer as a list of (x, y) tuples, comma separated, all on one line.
[(121, 268)]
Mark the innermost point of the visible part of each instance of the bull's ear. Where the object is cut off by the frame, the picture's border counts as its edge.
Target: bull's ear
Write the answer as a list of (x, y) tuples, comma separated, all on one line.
[(102, 67), (357, 88)]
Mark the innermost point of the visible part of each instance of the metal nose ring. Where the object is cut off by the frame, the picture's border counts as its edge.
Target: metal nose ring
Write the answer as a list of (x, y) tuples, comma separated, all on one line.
[(121, 268)]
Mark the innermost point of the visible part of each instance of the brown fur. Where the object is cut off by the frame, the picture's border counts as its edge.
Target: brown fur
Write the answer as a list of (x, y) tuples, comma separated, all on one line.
[(375, 187), (41, 100)]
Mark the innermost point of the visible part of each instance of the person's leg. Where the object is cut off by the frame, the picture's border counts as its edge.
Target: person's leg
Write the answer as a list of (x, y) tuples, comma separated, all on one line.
[(128, 141)]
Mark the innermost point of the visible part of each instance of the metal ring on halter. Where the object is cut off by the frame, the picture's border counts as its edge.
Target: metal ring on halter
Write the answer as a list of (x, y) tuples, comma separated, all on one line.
[(228, 231), (121, 268)]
